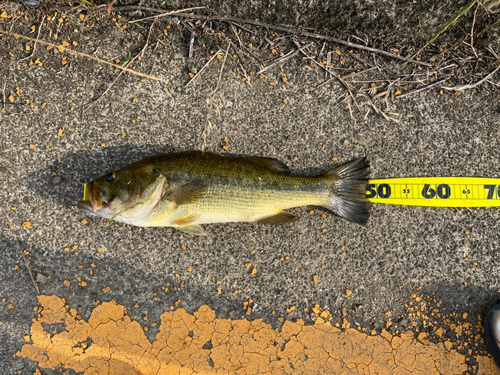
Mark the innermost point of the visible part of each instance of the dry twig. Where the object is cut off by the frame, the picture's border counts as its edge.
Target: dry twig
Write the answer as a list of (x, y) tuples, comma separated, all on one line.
[(466, 87), (166, 14), (202, 69), (389, 116), (3, 93), (282, 59), (333, 74), (121, 72), (221, 70), (344, 83), (61, 48), (463, 10), (420, 89), (285, 29), (34, 45), (472, 31), (191, 39)]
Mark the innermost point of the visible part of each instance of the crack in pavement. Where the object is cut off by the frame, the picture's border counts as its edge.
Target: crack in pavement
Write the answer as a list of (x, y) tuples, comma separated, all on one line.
[(120, 344)]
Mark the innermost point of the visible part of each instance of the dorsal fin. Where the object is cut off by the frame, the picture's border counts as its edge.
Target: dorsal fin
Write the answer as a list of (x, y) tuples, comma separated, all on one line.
[(269, 163)]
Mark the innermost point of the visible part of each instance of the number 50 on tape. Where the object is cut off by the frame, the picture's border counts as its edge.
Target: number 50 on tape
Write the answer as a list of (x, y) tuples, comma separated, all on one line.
[(436, 191)]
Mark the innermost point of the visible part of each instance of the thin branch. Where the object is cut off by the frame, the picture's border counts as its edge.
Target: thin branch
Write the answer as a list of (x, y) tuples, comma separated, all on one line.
[(62, 48), (191, 44), (463, 10), (3, 93), (285, 29), (223, 63), (247, 80), (493, 52), (423, 88), (466, 87), (121, 72), (162, 14), (472, 31), (331, 72), (334, 74), (282, 59), (34, 46), (305, 33), (202, 69), (191, 39), (347, 96), (243, 28), (350, 76), (19, 247), (387, 115), (241, 59), (233, 29), (242, 46), (328, 62), (221, 70), (32, 80), (185, 24)]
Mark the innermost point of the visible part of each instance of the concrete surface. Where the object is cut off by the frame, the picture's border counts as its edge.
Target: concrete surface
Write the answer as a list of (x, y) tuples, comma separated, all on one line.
[(411, 271)]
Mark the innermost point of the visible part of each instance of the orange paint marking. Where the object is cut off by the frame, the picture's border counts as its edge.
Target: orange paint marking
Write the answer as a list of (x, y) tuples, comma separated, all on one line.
[(202, 343)]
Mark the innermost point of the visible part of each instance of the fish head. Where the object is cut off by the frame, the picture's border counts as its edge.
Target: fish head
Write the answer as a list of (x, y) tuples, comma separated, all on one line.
[(110, 193), (120, 191)]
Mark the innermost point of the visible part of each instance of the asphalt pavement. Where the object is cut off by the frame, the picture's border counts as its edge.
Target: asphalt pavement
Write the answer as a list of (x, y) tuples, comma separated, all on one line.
[(117, 299)]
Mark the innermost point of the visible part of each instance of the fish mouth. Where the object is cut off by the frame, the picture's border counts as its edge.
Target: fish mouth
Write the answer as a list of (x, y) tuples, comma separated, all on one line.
[(93, 202), (94, 199), (98, 207), (86, 207), (99, 197)]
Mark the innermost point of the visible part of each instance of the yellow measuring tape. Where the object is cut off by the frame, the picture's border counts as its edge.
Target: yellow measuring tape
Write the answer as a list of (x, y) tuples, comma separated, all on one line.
[(86, 192), (436, 191)]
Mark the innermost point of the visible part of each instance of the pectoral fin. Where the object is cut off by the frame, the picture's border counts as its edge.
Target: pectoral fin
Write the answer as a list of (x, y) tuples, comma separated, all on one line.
[(282, 218), (188, 193), (192, 228), (186, 219)]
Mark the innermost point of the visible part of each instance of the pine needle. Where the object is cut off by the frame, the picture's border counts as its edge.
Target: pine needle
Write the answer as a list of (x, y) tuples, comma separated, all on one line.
[(62, 48), (454, 19)]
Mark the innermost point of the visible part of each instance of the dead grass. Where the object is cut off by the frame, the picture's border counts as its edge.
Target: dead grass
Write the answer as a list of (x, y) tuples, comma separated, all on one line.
[(370, 76)]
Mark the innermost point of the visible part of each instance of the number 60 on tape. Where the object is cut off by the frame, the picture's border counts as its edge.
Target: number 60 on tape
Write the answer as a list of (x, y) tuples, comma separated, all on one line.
[(436, 191)]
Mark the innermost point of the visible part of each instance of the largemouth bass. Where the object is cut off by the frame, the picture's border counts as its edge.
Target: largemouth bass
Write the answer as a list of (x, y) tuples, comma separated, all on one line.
[(184, 190)]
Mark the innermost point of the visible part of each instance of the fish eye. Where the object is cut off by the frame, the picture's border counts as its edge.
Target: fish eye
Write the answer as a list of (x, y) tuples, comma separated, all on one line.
[(110, 177)]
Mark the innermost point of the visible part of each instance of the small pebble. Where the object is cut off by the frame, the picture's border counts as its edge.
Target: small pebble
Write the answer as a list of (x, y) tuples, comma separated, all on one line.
[(41, 278), (56, 180)]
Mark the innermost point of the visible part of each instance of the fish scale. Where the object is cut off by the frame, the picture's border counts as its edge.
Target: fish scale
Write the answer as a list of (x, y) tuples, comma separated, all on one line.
[(223, 203)]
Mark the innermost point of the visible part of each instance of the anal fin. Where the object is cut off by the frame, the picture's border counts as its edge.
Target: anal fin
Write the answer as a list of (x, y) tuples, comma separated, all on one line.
[(281, 218), (192, 228)]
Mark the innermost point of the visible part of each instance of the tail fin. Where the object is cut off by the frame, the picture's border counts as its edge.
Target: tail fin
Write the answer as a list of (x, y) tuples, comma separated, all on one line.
[(348, 190)]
